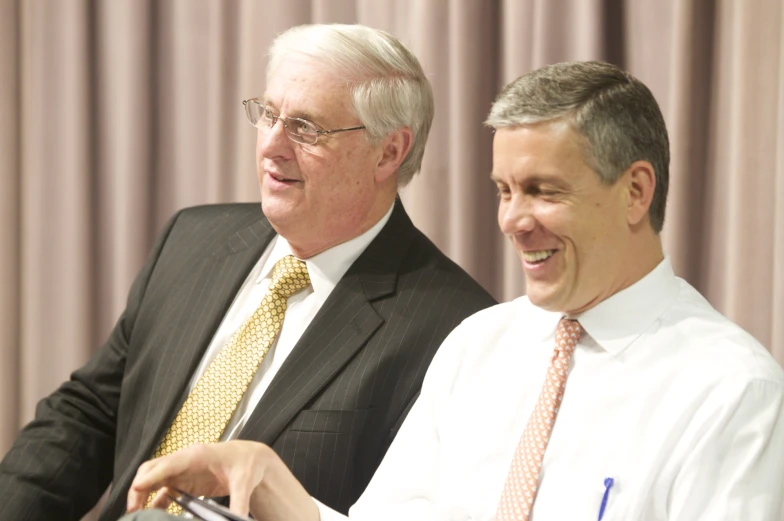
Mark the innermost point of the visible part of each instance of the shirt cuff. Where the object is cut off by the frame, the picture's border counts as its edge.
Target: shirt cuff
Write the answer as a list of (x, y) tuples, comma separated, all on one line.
[(327, 514)]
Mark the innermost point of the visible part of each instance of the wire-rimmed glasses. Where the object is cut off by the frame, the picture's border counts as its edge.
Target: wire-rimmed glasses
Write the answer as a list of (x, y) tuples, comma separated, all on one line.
[(297, 129)]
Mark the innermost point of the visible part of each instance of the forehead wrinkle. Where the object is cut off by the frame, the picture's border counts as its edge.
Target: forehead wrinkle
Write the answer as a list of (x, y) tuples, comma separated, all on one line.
[(314, 115), (556, 163)]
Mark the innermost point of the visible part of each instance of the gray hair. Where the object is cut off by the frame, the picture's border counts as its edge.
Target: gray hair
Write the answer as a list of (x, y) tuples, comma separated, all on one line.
[(389, 89), (614, 112)]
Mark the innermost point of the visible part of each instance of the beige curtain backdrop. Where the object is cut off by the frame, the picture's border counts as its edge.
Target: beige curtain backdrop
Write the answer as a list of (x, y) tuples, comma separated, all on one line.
[(116, 113)]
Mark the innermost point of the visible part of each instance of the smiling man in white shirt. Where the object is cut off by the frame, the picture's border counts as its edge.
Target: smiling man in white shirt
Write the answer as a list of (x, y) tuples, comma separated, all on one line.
[(612, 391)]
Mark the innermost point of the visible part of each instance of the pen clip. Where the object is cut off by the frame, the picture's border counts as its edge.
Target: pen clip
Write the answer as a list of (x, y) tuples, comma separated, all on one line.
[(608, 483)]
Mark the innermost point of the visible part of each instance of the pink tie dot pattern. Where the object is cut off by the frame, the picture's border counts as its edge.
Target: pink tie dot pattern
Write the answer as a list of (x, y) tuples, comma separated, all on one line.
[(213, 400), (517, 497)]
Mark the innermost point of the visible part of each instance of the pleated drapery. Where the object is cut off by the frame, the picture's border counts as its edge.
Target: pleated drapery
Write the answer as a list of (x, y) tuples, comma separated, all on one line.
[(116, 113)]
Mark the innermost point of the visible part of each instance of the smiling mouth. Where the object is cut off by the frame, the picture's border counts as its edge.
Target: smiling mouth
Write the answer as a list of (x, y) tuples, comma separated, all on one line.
[(281, 179), (535, 257)]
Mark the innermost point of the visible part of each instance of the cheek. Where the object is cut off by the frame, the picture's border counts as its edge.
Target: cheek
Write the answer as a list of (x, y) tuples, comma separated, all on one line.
[(593, 246), (553, 217), (313, 165), (259, 144), (503, 216)]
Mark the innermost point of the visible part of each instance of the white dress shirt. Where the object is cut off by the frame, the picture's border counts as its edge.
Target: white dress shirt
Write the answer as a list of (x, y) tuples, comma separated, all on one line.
[(325, 271), (679, 406)]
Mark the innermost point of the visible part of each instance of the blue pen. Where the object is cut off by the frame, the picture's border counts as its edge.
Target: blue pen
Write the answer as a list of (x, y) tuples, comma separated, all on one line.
[(608, 483)]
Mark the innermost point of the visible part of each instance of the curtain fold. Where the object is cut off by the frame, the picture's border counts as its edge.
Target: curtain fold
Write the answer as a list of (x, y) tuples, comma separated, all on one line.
[(738, 236), (114, 114), (124, 147), (57, 215), (10, 219), (777, 286), (472, 84)]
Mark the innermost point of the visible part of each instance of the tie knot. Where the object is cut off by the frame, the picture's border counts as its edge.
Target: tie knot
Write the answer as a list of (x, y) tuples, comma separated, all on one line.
[(289, 276), (567, 335)]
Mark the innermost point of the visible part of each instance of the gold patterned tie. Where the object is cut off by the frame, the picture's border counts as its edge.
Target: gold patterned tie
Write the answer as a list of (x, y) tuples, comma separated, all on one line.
[(213, 400), (517, 498)]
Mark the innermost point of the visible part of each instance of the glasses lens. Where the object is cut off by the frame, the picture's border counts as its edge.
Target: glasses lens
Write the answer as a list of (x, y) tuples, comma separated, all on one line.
[(258, 114), (253, 111), (266, 116), (302, 130)]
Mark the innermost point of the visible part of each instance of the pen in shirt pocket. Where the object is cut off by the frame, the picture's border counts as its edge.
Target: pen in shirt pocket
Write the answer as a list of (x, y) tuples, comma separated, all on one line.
[(608, 483)]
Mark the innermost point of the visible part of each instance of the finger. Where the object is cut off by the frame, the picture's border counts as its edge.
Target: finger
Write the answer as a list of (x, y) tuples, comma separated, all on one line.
[(134, 501), (139, 491), (240, 489), (151, 476), (162, 499), (159, 472)]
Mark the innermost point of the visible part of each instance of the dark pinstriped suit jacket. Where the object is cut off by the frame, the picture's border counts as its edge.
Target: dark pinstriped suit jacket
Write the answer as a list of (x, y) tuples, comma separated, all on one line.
[(330, 412)]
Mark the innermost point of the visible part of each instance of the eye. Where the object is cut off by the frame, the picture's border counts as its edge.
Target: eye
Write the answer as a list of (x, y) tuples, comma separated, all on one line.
[(303, 127), (503, 192), (550, 192), (538, 190), (267, 114)]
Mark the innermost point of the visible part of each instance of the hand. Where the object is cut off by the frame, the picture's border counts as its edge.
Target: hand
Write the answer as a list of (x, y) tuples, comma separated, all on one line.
[(254, 477)]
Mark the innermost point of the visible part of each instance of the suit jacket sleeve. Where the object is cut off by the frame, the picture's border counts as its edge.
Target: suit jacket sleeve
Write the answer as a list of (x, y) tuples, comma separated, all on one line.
[(62, 461)]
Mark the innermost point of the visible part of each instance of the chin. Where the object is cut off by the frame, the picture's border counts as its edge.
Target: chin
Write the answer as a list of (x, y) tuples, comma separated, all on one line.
[(277, 212), (539, 299), (545, 298), (546, 304)]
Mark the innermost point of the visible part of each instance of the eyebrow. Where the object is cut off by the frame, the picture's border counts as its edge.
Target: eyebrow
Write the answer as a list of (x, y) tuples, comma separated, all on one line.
[(302, 114), (494, 178), (534, 179)]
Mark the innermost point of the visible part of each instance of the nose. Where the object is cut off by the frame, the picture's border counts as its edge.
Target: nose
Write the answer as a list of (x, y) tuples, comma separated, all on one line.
[(516, 215), (273, 142)]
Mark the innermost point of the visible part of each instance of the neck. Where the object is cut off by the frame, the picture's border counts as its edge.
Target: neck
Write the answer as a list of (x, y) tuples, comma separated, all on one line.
[(305, 249), (643, 256), (636, 261), (650, 253)]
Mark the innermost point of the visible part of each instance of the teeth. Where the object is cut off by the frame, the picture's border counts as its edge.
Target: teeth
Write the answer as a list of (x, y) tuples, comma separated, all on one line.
[(536, 256)]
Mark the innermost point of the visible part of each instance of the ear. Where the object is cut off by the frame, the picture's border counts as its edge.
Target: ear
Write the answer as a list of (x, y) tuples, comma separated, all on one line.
[(641, 183), (394, 149)]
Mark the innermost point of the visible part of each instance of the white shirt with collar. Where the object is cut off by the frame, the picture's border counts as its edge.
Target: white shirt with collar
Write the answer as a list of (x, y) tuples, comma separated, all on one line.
[(679, 406), (325, 271)]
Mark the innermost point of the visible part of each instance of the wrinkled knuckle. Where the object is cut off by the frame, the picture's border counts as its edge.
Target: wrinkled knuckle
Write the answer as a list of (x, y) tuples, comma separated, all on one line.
[(200, 450)]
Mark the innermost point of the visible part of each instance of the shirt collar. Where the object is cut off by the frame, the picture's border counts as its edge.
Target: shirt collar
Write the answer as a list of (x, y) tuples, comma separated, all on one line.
[(616, 322), (329, 266)]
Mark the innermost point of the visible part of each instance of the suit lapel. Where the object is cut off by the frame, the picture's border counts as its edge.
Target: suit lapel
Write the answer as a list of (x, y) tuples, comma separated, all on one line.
[(218, 277), (342, 326)]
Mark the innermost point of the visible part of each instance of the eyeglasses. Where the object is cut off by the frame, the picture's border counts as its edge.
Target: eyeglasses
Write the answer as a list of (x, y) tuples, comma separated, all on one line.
[(297, 129)]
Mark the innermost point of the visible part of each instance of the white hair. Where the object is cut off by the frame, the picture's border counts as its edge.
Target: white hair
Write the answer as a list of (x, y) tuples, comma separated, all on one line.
[(389, 89)]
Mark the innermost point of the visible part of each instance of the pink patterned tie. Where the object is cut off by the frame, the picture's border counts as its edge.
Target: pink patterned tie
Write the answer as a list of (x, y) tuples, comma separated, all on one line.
[(517, 498)]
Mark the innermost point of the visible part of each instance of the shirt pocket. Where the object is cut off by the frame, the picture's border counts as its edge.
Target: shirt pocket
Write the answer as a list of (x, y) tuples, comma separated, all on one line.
[(586, 491), (604, 495)]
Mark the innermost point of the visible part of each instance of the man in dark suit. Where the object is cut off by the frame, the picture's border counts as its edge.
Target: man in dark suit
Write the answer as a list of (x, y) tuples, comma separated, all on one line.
[(342, 125)]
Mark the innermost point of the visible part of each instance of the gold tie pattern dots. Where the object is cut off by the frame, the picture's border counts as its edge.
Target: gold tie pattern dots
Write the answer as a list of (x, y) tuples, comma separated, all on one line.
[(517, 497), (213, 400)]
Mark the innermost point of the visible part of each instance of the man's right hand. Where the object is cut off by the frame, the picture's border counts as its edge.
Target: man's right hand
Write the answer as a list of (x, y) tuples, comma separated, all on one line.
[(251, 473)]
